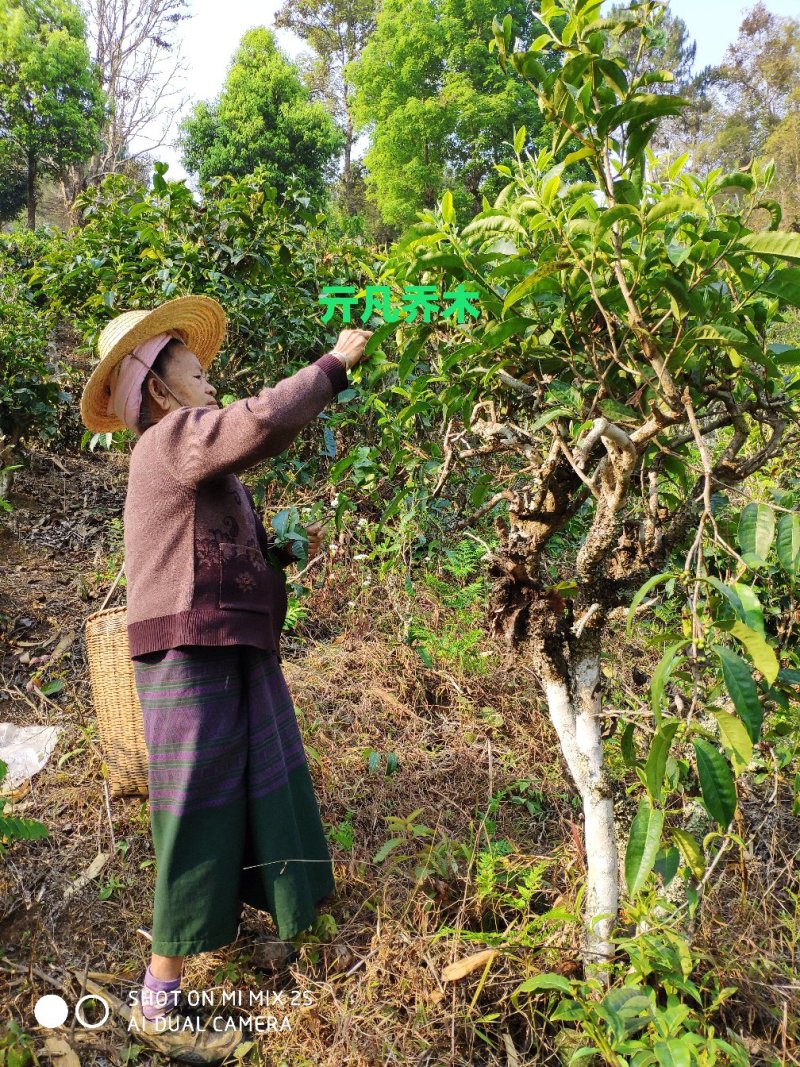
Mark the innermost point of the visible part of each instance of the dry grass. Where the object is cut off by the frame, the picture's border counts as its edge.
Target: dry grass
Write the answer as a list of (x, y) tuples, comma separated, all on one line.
[(460, 738)]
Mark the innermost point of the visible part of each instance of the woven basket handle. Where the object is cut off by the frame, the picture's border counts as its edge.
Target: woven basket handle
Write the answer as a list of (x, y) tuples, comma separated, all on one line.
[(114, 586)]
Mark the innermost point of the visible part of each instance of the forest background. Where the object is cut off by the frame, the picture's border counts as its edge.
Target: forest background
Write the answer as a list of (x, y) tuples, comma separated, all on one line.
[(608, 437)]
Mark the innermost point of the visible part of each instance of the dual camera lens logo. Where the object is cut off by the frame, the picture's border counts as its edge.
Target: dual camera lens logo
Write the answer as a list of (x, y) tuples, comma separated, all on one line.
[(52, 1011)]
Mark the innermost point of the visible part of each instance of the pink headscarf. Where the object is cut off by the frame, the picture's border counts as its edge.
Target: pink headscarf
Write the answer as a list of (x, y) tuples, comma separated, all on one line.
[(126, 379)]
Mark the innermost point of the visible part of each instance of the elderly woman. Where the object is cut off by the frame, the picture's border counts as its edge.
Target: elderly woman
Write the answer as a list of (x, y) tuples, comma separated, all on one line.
[(233, 813)]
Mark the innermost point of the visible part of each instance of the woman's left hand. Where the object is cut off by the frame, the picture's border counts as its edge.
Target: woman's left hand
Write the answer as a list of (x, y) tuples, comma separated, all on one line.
[(316, 535)]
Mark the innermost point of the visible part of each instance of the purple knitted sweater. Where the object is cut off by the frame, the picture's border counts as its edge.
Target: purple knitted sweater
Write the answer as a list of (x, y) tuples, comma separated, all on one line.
[(194, 543)]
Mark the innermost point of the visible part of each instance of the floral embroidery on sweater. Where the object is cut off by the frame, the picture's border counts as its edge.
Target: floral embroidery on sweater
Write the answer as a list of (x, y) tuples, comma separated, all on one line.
[(245, 582)]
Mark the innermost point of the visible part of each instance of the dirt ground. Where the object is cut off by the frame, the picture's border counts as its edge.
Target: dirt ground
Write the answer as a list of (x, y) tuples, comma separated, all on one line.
[(466, 745), (60, 549)]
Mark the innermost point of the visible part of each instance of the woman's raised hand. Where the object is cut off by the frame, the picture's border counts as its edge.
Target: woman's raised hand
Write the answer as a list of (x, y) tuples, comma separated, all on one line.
[(316, 535), (351, 344)]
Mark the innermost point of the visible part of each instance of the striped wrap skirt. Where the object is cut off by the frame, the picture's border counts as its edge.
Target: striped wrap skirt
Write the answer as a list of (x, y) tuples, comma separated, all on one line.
[(233, 813)]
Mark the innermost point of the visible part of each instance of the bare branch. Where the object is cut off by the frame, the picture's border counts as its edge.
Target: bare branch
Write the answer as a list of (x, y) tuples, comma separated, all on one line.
[(518, 386), (141, 71)]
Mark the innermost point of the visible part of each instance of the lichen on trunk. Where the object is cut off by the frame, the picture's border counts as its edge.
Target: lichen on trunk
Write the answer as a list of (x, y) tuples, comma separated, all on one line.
[(563, 640), (568, 667)]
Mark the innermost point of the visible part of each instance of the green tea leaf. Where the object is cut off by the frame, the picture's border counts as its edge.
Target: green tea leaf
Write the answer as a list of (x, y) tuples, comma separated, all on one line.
[(690, 850), (657, 757), (752, 613), (616, 214), (735, 741), (788, 543), (529, 283), (629, 1007), (785, 284), (493, 223), (612, 409), (379, 336), (758, 650), (555, 413), (673, 1053), (330, 443), (741, 689), (716, 782), (627, 747), (667, 864), (734, 180), (498, 332), (641, 593), (669, 661), (643, 844), (670, 205), (730, 594), (756, 530), (775, 210), (773, 243), (539, 982), (718, 333), (386, 848)]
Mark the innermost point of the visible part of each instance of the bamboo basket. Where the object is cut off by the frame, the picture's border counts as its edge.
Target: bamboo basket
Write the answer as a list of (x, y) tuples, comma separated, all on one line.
[(116, 702)]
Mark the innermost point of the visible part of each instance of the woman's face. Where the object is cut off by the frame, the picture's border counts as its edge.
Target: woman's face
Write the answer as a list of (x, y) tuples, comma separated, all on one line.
[(186, 379)]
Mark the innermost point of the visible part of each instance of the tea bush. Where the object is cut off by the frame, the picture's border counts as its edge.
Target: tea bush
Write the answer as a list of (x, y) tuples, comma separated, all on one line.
[(29, 391), (264, 261)]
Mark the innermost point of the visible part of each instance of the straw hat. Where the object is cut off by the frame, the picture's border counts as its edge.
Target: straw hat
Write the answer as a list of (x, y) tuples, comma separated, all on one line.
[(199, 319)]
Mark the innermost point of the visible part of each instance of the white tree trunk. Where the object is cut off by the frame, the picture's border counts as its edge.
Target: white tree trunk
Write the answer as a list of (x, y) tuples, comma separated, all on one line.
[(576, 719)]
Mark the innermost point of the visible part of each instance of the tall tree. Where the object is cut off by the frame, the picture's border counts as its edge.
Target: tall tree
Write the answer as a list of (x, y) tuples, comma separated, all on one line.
[(439, 109), (133, 44), (13, 180), (757, 103), (51, 102), (614, 397), (337, 30), (760, 74), (670, 48), (263, 116), (783, 146)]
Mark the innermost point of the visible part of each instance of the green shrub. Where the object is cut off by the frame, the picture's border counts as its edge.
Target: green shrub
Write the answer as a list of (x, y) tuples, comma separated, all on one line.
[(265, 261), (29, 392)]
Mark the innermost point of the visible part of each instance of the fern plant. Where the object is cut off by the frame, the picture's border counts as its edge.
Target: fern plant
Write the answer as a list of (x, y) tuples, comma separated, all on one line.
[(464, 558), (295, 612), (13, 828)]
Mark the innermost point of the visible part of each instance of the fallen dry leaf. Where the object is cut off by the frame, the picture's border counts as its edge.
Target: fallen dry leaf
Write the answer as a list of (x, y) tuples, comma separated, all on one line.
[(512, 1056), (461, 968), (13, 795), (57, 462), (63, 644), (60, 1052), (91, 871), (120, 1007)]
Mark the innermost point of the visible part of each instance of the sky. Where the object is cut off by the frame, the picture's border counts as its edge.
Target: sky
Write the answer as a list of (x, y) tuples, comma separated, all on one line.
[(212, 35), (208, 41), (714, 23)]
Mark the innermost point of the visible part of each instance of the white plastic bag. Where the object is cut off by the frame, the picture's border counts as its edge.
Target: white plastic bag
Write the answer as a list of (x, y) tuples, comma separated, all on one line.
[(25, 749)]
